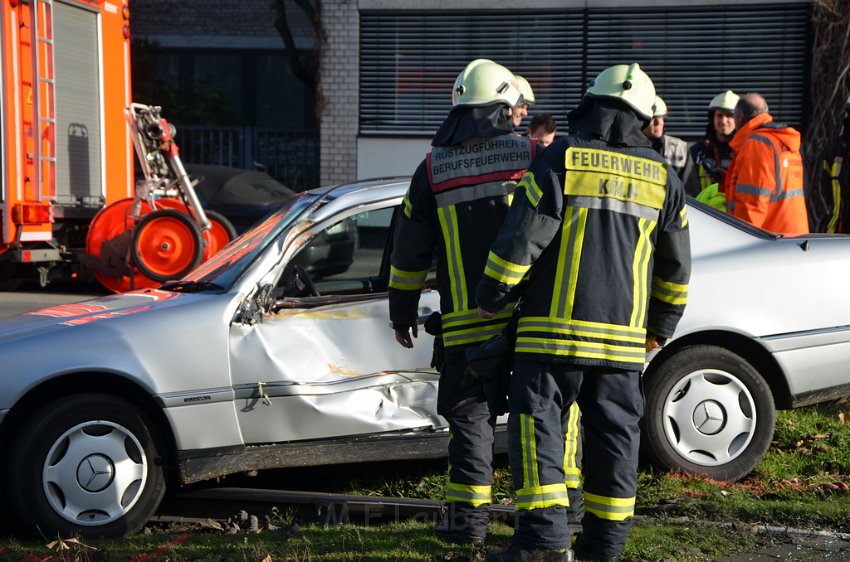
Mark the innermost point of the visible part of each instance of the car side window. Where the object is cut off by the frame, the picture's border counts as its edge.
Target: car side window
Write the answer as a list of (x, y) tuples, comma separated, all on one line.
[(345, 258)]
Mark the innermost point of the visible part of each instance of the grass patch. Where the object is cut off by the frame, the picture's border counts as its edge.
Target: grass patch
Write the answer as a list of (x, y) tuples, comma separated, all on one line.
[(802, 482)]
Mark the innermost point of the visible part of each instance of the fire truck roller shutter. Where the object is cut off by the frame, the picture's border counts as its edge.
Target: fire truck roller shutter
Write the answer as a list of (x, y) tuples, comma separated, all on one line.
[(78, 121)]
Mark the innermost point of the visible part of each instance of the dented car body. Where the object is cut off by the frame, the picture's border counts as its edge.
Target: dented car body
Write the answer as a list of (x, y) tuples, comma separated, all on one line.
[(254, 361)]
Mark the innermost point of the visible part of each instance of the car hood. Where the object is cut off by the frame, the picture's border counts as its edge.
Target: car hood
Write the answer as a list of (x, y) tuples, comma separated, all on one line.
[(97, 310)]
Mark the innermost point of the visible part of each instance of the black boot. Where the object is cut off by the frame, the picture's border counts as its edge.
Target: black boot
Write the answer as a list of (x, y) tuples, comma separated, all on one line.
[(585, 553), (515, 554), (463, 524)]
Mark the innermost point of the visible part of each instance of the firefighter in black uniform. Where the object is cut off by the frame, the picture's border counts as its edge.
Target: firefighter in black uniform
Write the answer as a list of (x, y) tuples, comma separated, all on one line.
[(458, 197), (601, 233)]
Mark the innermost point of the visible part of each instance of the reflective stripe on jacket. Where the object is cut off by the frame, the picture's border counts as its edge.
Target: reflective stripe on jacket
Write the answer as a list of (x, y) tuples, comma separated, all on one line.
[(603, 234), (458, 198), (764, 185)]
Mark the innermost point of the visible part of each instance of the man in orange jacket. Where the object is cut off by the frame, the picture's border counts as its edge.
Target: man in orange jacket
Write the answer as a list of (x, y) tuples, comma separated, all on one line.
[(764, 184)]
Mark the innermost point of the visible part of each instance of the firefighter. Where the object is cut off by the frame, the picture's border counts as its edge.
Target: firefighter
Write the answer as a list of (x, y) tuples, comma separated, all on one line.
[(458, 197), (832, 203), (712, 154), (674, 149), (764, 184), (520, 111), (599, 227)]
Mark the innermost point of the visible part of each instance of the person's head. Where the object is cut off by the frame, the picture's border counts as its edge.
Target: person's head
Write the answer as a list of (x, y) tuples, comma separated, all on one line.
[(484, 82), (521, 109), (628, 84), (721, 111), (748, 106), (655, 129), (542, 128)]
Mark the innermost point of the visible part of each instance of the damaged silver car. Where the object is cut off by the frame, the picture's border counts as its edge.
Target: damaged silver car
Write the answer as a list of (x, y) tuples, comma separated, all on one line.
[(251, 363)]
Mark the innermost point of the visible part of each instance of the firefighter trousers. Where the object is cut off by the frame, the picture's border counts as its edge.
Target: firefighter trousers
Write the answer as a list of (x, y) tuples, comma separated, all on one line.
[(612, 405), (471, 426)]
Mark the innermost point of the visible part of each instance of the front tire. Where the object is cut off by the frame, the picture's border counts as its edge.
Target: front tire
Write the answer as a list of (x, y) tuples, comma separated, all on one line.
[(87, 465), (708, 411)]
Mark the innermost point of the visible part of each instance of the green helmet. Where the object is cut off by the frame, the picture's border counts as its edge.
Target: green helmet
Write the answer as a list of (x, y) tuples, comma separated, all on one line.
[(626, 82), (724, 100), (483, 82), (660, 108), (525, 88)]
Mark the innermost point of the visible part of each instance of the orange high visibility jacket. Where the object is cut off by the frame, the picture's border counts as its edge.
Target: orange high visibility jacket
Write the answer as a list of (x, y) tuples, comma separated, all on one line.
[(764, 184)]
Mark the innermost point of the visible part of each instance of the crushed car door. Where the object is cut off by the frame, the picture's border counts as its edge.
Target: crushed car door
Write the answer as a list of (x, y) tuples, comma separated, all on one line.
[(326, 363)]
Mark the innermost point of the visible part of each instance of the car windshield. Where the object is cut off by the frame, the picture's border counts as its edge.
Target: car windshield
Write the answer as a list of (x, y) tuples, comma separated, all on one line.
[(225, 267)]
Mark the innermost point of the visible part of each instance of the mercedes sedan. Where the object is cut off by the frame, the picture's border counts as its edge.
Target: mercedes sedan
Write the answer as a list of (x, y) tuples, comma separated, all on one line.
[(252, 362)]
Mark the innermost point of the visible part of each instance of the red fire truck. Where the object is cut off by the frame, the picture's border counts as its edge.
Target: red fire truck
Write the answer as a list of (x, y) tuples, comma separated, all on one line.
[(68, 157)]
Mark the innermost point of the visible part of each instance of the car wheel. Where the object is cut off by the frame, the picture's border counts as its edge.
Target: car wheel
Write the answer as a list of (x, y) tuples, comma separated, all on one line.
[(87, 465), (708, 411)]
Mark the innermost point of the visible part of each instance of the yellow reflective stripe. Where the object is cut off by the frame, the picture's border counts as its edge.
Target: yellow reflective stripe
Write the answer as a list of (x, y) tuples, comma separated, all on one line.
[(407, 206), (532, 190), (407, 280), (536, 497), (610, 509), (471, 336), (472, 494), (530, 478), (504, 271), (569, 260), (836, 195), (462, 317), (683, 215), (672, 293), (582, 327), (454, 257), (591, 350), (571, 437), (640, 271)]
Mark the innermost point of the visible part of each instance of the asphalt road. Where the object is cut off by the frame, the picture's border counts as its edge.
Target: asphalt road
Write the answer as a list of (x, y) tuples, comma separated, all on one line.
[(33, 297)]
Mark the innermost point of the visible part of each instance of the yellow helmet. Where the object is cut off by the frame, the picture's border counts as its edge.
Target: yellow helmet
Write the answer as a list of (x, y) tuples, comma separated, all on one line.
[(626, 82), (525, 88), (724, 100), (660, 108), (483, 82)]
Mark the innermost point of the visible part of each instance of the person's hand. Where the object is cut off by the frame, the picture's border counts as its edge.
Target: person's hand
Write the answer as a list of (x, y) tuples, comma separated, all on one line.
[(403, 337), (651, 343), (486, 313)]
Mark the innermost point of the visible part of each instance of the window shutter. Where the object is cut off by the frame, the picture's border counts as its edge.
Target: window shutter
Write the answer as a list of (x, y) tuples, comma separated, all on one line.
[(409, 60)]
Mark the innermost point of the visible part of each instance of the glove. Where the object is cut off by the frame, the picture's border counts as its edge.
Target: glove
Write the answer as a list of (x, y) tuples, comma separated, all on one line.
[(488, 366), (434, 326)]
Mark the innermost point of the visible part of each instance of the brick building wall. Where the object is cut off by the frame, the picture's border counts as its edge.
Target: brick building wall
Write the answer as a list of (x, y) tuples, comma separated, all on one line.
[(340, 68)]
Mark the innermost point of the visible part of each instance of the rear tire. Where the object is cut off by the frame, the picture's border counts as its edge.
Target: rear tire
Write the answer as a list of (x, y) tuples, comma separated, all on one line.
[(88, 465), (708, 411)]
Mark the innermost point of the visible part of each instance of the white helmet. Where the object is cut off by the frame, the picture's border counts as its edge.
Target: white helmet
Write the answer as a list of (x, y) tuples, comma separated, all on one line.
[(525, 88), (626, 82), (483, 82), (660, 108), (725, 101)]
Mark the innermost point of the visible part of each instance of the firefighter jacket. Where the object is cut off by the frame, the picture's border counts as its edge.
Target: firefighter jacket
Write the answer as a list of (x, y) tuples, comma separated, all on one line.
[(712, 157), (764, 185), (600, 231), (675, 150), (457, 199)]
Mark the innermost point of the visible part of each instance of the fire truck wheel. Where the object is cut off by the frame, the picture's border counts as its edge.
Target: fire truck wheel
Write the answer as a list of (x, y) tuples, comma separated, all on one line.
[(221, 232), (89, 465), (166, 245)]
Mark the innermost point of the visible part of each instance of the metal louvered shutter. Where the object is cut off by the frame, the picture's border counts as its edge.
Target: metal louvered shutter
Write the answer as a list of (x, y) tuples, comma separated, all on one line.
[(78, 135), (409, 60), (692, 54)]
